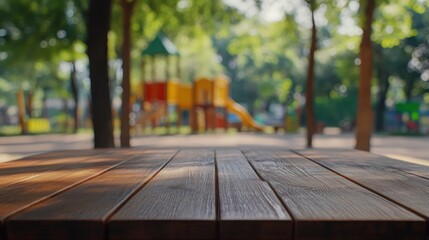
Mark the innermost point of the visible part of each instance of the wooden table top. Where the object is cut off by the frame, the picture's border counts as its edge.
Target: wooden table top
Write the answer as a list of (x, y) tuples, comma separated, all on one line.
[(213, 194)]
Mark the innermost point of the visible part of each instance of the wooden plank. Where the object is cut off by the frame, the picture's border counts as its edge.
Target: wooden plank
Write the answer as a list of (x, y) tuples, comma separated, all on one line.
[(326, 205), (31, 166), (249, 209), (380, 161), (378, 174), (413, 168), (178, 203), (80, 212), (22, 194)]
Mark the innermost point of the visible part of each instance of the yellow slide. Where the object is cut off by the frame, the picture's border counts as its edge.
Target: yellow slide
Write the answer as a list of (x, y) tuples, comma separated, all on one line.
[(247, 120)]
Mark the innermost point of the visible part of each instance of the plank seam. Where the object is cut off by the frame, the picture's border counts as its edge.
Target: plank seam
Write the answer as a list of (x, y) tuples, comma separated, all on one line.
[(371, 190), (66, 188), (275, 193), (414, 174), (55, 168), (121, 204), (398, 168), (59, 192)]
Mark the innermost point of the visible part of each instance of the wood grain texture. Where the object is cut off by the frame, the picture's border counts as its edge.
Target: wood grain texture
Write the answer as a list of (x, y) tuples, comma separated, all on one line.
[(16, 177), (326, 205), (81, 211), (377, 160), (31, 166), (29, 191), (178, 203), (249, 209), (384, 176)]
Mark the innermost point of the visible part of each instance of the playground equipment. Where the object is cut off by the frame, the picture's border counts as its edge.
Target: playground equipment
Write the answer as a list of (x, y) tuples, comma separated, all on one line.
[(205, 97), (246, 118), (408, 118), (212, 97), (160, 91)]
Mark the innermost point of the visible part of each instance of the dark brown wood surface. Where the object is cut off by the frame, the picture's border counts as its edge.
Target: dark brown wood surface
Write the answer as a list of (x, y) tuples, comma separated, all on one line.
[(213, 194), (326, 205), (29, 191), (369, 159), (388, 178), (31, 166), (80, 212), (178, 203), (249, 209)]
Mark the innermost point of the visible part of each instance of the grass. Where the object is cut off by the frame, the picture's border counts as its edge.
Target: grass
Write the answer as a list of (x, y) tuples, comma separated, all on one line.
[(173, 130), (10, 130)]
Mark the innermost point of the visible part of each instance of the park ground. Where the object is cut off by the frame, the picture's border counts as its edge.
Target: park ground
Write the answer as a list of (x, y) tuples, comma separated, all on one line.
[(407, 148)]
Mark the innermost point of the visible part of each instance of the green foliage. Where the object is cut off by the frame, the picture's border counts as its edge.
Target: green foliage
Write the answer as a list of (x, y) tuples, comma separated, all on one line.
[(265, 60), (36, 40), (396, 24), (338, 110)]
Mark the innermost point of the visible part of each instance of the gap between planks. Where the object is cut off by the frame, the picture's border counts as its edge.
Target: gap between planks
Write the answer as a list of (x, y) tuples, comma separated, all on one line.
[(396, 167), (305, 216), (135, 157), (63, 190), (20, 209), (248, 202), (275, 192), (369, 188), (110, 215), (272, 189)]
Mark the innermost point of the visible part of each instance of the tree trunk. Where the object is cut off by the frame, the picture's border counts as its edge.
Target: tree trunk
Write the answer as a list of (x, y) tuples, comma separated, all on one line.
[(309, 92), (75, 93), (383, 83), (98, 27), (45, 104), (381, 103), (66, 115), (127, 8), (21, 111), (409, 84), (30, 104), (364, 114)]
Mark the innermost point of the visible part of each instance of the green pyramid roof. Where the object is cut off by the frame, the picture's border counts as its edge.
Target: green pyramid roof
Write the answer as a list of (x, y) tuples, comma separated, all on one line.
[(160, 45)]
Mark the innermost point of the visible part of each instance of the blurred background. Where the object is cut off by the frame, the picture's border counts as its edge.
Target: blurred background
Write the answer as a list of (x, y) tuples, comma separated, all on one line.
[(262, 46)]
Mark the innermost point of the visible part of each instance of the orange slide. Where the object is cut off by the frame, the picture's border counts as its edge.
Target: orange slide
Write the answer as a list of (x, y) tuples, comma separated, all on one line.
[(246, 118)]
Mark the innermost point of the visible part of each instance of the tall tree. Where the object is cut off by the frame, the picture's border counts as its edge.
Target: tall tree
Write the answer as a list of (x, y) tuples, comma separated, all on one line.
[(30, 42), (98, 26), (364, 116), (383, 84), (397, 26), (127, 9), (75, 93), (309, 92)]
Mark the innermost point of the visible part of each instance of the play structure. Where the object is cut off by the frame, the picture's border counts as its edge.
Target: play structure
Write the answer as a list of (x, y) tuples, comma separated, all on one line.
[(211, 100), (205, 102), (408, 118)]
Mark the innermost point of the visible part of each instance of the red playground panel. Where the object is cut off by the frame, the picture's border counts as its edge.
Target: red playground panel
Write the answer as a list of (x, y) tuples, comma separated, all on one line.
[(220, 121), (155, 92)]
